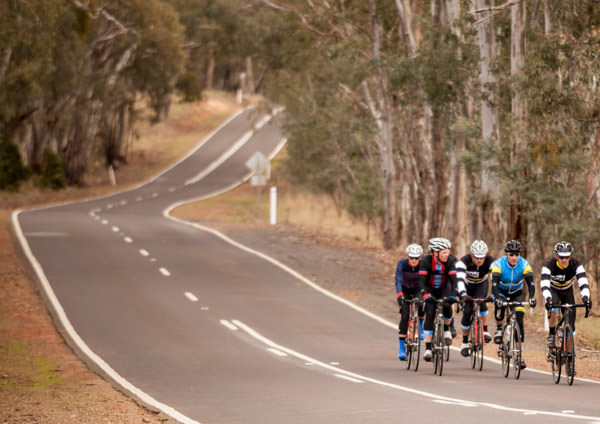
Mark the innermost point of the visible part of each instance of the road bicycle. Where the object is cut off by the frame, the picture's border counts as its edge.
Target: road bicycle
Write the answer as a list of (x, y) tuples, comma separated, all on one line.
[(510, 348), (476, 339), (563, 352), (439, 349), (413, 334)]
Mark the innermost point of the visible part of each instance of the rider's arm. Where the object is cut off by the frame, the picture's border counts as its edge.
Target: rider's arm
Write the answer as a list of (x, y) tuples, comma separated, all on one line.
[(528, 275), (424, 276), (545, 282), (399, 274), (461, 275), (495, 279), (582, 281)]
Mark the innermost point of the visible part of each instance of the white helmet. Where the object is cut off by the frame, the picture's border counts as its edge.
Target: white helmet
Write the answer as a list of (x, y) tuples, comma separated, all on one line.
[(414, 250), (479, 249), (438, 243)]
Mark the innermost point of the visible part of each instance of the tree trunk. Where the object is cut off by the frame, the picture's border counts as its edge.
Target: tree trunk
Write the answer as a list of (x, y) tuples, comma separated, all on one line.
[(210, 73), (517, 222)]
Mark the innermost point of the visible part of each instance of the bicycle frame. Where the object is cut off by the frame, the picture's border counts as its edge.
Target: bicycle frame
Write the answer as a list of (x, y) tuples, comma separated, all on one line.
[(438, 346), (510, 349), (476, 339), (563, 353), (413, 336)]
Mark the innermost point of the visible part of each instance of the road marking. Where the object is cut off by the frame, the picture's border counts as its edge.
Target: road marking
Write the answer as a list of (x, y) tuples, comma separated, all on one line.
[(46, 234), (440, 398), (345, 377), (144, 252), (191, 296), (104, 222), (228, 324), (276, 352), (128, 240), (164, 271), (115, 229), (234, 148)]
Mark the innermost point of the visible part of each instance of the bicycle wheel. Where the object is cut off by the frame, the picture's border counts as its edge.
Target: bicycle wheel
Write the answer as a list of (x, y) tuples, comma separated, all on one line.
[(554, 356), (473, 343), (479, 343), (417, 343), (446, 350), (517, 353), (439, 348), (409, 342), (569, 351), (505, 349)]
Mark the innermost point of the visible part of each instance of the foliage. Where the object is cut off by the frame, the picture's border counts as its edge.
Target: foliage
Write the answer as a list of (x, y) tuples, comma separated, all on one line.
[(52, 173), (12, 170)]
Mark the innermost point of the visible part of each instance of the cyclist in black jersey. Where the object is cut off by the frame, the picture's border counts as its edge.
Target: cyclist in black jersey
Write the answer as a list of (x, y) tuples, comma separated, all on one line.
[(558, 277), (437, 277), (473, 274)]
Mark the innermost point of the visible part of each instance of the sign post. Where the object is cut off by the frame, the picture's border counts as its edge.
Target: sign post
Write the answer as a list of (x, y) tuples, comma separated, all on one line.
[(261, 167)]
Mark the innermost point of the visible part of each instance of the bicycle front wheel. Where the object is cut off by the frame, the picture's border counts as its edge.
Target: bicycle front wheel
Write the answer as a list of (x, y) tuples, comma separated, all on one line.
[(517, 353), (439, 349), (554, 356), (479, 343), (473, 343), (505, 349), (569, 351), (410, 336)]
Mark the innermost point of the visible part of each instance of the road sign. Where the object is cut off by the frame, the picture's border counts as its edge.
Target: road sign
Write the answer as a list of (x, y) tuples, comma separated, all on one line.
[(261, 166)]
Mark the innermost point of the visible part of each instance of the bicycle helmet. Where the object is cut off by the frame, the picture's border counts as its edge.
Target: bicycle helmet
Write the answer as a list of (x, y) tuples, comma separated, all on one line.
[(479, 249), (512, 246), (438, 243), (414, 251), (563, 249)]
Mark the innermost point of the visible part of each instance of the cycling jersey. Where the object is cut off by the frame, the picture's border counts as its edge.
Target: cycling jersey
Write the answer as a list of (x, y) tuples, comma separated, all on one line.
[(406, 276), (557, 278), (434, 274), (468, 273), (510, 279)]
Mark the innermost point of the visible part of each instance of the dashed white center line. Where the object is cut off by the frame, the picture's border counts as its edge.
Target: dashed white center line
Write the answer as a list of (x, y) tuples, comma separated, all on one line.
[(228, 324), (144, 252), (191, 297), (128, 240), (115, 229), (164, 271), (104, 222)]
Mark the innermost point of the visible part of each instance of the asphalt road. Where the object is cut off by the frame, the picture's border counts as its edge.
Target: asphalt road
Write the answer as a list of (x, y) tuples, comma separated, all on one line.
[(209, 331)]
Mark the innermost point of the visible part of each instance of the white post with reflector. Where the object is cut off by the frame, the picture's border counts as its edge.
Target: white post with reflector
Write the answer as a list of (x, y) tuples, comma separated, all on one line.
[(273, 214)]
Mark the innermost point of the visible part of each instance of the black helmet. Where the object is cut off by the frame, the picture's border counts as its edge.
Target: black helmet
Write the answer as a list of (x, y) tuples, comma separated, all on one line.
[(512, 246), (563, 248)]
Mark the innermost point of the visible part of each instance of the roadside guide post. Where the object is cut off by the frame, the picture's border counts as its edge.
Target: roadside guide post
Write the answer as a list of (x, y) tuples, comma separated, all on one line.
[(261, 167)]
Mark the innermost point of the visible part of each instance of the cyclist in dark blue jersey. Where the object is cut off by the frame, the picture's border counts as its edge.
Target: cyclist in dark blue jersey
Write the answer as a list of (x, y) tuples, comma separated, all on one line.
[(407, 287)]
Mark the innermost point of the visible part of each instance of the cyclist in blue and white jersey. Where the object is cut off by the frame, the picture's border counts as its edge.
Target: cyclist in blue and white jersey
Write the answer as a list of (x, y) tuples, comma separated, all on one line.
[(558, 277), (509, 273), (407, 287), (437, 277), (473, 274)]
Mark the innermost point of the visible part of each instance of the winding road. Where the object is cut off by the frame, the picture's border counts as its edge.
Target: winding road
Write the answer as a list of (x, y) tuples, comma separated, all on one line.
[(210, 331)]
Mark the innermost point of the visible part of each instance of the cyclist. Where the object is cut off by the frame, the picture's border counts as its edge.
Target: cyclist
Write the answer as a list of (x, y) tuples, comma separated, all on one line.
[(473, 274), (437, 277), (407, 287), (558, 277), (508, 274)]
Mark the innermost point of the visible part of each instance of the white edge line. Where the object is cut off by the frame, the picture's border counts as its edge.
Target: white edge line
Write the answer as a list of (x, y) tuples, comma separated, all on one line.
[(228, 324), (349, 374), (58, 309)]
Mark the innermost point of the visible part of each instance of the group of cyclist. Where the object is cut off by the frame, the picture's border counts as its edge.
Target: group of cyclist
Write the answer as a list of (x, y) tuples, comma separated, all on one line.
[(441, 275)]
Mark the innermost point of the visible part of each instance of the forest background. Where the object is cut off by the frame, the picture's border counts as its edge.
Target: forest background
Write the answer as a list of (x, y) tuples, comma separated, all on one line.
[(464, 119)]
